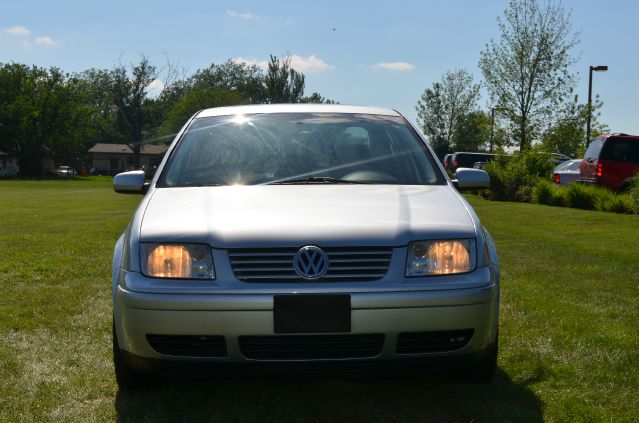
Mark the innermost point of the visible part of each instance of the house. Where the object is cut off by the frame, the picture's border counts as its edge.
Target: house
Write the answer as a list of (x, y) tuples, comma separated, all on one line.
[(109, 159), (8, 165)]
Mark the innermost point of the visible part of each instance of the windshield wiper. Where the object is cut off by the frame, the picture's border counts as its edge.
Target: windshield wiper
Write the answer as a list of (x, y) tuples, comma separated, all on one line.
[(315, 180)]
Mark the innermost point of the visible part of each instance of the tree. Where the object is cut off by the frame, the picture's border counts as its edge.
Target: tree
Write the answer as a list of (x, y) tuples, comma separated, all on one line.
[(317, 98), (198, 99), (244, 79), (526, 71), (472, 133), (442, 107), (137, 114), (41, 113), (283, 83), (567, 135)]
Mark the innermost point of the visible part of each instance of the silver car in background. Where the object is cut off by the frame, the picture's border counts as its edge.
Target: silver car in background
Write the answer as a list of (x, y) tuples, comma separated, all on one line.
[(314, 237), (566, 172)]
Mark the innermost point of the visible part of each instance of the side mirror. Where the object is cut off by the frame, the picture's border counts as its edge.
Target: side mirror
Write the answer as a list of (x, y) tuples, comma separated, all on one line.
[(468, 179), (130, 182)]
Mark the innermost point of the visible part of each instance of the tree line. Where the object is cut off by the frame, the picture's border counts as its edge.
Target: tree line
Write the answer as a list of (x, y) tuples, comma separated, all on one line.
[(527, 75), (47, 112)]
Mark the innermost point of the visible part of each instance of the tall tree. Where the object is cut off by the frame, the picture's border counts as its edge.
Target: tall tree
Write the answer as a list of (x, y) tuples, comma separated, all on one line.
[(527, 69), (442, 107), (136, 111), (567, 135), (283, 83), (244, 79), (41, 114), (195, 100), (473, 132)]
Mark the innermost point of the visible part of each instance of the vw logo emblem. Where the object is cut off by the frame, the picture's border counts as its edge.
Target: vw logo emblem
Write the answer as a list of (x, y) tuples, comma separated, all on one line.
[(310, 262)]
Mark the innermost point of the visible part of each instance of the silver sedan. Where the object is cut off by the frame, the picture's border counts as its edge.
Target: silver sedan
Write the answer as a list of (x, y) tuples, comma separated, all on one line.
[(284, 237)]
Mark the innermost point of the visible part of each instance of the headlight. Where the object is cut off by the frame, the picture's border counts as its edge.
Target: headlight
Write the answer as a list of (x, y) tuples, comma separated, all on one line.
[(440, 257), (180, 261)]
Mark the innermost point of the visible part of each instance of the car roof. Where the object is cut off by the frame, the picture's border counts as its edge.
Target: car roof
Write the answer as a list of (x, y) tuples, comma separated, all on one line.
[(296, 108), (618, 135)]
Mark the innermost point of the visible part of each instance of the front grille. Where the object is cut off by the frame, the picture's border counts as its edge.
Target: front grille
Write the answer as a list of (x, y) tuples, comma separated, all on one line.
[(430, 342), (188, 345), (311, 347), (351, 264)]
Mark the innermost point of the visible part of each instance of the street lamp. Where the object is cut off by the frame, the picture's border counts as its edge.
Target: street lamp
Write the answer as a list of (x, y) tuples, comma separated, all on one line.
[(596, 69)]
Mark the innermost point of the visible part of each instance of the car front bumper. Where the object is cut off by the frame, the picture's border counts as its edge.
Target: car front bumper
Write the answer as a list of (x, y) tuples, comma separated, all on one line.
[(238, 315)]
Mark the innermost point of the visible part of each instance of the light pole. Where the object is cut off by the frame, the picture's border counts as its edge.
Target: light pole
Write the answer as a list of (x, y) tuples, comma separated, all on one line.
[(596, 69)]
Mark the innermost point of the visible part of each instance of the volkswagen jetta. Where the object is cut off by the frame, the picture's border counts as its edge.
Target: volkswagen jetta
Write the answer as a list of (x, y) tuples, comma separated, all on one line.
[(302, 236)]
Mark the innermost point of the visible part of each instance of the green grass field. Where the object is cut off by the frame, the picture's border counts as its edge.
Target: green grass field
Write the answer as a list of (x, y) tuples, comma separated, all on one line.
[(569, 325)]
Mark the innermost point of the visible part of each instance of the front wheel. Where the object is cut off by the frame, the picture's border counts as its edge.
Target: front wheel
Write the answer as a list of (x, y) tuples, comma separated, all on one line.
[(483, 369), (127, 378)]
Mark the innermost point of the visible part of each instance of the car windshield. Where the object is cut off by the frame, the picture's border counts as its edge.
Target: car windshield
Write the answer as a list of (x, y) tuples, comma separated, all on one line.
[(300, 148)]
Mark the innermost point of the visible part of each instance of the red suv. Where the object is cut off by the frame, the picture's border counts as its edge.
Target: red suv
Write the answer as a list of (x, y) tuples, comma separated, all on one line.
[(611, 161)]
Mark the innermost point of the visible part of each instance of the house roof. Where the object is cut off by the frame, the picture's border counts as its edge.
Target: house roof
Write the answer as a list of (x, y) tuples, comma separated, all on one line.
[(149, 149)]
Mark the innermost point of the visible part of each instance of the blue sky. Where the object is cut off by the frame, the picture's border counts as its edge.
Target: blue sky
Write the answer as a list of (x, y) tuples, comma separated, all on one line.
[(379, 53)]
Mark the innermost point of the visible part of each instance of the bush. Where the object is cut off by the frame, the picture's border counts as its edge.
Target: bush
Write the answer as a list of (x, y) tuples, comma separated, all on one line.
[(581, 196), (634, 190), (616, 203), (545, 192), (513, 178)]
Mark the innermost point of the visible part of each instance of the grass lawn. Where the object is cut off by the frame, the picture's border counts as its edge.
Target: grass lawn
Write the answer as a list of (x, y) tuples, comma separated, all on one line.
[(569, 325)]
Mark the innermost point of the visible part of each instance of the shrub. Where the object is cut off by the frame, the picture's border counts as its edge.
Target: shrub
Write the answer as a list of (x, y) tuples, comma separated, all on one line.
[(581, 196), (634, 191), (616, 203), (513, 178), (545, 192)]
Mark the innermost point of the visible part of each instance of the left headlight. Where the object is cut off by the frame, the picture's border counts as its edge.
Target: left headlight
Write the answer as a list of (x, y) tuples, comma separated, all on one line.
[(440, 257), (179, 261)]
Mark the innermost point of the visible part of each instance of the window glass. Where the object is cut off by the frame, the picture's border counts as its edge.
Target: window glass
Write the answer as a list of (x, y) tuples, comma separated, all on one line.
[(594, 149), (621, 150), (573, 164), (264, 148)]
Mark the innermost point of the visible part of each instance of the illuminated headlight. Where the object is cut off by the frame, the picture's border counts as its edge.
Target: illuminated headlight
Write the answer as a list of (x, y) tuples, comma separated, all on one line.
[(444, 257), (180, 261)]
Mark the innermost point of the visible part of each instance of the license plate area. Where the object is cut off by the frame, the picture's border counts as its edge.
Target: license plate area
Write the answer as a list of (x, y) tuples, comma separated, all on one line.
[(312, 313)]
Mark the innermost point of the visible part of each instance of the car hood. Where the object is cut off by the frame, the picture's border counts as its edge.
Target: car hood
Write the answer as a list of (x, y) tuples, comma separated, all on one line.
[(295, 215)]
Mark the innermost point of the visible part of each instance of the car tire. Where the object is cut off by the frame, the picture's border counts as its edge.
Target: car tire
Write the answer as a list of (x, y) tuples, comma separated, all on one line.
[(483, 369), (625, 186), (127, 378)]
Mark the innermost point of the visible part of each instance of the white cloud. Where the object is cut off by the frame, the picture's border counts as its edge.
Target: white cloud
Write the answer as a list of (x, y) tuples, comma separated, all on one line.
[(155, 88), (311, 63), (45, 41), (234, 14), (19, 31), (263, 64), (395, 66)]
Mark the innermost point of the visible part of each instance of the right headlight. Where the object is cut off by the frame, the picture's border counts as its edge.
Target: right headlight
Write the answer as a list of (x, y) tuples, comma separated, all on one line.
[(440, 257), (178, 261)]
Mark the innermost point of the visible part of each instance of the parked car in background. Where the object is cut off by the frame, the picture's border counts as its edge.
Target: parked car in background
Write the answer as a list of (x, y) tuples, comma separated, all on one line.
[(558, 158), (303, 237), (447, 162), (467, 160), (611, 161), (65, 171), (566, 172)]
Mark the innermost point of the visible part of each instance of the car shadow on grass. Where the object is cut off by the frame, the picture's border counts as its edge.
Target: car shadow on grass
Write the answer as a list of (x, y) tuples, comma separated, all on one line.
[(424, 398)]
